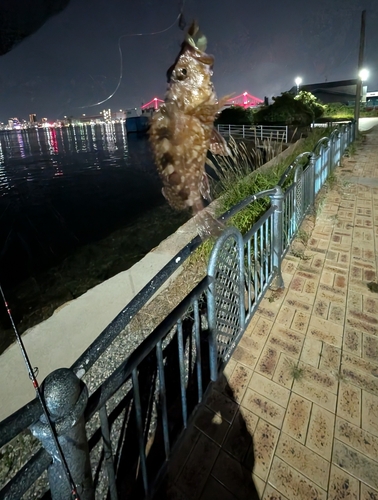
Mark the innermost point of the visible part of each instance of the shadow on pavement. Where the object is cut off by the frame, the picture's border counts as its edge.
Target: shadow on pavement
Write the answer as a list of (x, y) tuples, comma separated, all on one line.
[(215, 460)]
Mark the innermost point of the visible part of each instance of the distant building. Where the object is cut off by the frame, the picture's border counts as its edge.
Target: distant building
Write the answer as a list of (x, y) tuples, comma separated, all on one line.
[(343, 91), (119, 115), (32, 118), (372, 100), (14, 123), (107, 115)]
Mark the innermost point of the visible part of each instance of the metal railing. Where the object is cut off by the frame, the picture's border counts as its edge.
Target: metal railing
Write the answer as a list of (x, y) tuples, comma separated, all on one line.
[(253, 132), (136, 414)]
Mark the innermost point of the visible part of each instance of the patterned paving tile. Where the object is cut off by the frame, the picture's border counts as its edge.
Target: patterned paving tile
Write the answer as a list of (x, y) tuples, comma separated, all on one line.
[(221, 405), (239, 438), (370, 413), (270, 389), (297, 418), (368, 493), (320, 432), (316, 394), (234, 476), (342, 486), (192, 478), (330, 359), (357, 438), (296, 414), (355, 463), (311, 352), (238, 382), (349, 403), (292, 484), (283, 372), (272, 494), (264, 444), (263, 407), (212, 424), (268, 361), (304, 460)]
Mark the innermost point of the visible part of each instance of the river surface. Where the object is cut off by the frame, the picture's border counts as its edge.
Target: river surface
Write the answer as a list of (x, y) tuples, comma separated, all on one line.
[(72, 199)]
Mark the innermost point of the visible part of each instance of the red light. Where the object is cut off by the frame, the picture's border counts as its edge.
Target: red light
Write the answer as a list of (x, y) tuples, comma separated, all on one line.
[(153, 103), (245, 100)]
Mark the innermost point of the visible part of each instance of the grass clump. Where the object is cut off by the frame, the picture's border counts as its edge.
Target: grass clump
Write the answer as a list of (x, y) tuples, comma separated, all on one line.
[(238, 176), (296, 371), (238, 179), (303, 236), (331, 180)]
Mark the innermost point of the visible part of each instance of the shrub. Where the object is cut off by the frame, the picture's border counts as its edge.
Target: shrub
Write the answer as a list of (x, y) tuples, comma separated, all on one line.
[(286, 110), (312, 102), (235, 115)]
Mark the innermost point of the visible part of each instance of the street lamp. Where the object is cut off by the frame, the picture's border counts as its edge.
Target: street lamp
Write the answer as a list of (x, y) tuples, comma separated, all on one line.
[(363, 75), (298, 81)]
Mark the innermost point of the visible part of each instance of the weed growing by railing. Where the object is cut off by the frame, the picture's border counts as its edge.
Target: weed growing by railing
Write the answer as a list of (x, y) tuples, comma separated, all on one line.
[(236, 185), (239, 177)]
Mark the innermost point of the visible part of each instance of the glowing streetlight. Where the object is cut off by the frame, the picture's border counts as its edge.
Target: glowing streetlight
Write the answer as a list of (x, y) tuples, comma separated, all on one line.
[(363, 74), (298, 81)]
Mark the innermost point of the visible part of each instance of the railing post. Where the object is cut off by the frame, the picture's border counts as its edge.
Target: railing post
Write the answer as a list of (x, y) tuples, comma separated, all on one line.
[(312, 186), (277, 199), (226, 291), (66, 398)]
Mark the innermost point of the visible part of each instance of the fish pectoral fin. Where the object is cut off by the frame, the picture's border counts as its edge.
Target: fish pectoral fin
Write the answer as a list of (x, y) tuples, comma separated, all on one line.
[(218, 144)]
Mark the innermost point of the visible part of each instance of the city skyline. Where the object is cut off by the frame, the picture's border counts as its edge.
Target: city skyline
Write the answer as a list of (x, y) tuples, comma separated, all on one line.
[(72, 62)]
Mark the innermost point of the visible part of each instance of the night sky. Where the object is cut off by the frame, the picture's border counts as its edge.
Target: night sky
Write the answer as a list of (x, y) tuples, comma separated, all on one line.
[(73, 61)]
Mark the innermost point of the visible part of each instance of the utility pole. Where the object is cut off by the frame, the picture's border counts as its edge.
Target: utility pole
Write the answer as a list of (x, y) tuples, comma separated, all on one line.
[(360, 66)]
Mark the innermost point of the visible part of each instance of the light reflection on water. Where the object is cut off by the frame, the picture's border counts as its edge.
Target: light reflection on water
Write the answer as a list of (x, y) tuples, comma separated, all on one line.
[(60, 188)]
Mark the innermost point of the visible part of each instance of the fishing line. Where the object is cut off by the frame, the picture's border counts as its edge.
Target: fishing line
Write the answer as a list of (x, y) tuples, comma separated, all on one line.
[(32, 375), (179, 18)]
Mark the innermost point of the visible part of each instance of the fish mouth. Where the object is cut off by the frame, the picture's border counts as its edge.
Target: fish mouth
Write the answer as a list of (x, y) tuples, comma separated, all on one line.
[(194, 43)]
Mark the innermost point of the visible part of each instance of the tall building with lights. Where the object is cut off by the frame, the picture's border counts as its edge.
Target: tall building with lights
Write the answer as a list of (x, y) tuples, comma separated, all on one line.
[(107, 114)]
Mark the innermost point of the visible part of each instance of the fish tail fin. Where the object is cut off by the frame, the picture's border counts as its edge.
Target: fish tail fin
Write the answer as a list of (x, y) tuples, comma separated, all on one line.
[(207, 225), (195, 38)]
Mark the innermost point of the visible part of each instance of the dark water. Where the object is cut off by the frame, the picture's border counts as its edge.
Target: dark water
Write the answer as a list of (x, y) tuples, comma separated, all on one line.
[(65, 190)]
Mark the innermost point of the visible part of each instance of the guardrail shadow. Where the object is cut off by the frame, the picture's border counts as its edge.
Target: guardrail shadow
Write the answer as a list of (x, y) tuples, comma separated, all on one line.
[(216, 458), (212, 458)]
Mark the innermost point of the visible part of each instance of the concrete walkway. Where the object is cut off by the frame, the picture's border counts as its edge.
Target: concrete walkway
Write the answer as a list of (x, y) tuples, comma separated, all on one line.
[(296, 414)]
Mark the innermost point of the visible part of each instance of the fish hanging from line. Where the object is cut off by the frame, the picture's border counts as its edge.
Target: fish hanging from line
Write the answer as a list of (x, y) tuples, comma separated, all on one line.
[(182, 130)]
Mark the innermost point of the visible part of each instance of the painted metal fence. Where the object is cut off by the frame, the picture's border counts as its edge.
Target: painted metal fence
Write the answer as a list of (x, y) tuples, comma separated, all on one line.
[(253, 132), (127, 427)]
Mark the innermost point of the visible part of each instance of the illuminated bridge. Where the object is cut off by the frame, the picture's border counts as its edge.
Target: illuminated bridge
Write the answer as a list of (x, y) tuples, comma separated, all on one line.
[(245, 99)]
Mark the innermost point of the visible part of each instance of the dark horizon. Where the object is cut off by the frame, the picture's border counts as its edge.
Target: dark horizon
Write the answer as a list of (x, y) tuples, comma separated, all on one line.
[(73, 61)]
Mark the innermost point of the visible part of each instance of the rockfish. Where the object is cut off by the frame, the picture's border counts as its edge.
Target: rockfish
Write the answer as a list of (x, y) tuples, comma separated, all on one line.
[(182, 130)]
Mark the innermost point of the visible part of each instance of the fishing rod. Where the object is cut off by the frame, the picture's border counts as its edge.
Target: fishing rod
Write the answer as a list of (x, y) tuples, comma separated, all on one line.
[(33, 378), (181, 23)]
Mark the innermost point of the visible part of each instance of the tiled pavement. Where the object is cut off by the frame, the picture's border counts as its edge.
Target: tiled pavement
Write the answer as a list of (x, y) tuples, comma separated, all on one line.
[(296, 414)]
